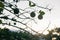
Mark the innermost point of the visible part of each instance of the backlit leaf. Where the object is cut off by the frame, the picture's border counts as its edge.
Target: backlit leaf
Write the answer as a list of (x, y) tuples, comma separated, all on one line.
[(16, 10), (31, 4), (41, 12), (0, 21), (2, 0), (1, 7), (16, 1), (5, 17)]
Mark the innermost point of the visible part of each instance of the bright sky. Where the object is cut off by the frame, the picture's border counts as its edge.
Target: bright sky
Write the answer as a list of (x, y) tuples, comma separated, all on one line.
[(53, 17)]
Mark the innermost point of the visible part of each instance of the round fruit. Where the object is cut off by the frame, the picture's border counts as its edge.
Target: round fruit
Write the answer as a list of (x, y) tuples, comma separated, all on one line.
[(32, 14), (40, 17)]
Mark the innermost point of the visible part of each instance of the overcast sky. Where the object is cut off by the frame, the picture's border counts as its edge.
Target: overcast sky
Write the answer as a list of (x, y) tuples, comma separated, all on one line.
[(54, 17)]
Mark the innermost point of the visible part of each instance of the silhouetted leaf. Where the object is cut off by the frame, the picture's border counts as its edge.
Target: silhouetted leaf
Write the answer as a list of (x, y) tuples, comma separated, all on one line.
[(32, 14), (9, 23), (13, 19), (10, 5), (16, 10), (1, 7), (40, 17), (2, 0), (16, 1), (5, 17), (41, 12), (31, 4), (1, 12), (0, 21)]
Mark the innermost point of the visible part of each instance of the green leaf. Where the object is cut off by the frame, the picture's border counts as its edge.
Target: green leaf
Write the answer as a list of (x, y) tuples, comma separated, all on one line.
[(13, 19), (0, 21), (5, 17), (16, 10), (32, 14), (1, 5), (40, 17), (41, 12), (31, 4)]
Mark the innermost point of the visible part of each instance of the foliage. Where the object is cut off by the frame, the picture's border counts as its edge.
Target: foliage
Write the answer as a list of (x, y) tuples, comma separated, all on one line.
[(1, 7), (6, 34), (51, 35)]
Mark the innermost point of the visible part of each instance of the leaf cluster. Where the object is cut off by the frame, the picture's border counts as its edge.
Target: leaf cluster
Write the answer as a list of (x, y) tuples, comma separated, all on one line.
[(6, 34)]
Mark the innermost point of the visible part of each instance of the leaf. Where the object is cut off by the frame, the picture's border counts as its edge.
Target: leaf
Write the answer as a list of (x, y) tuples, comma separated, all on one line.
[(16, 10), (1, 7), (9, 23), (0, 21), (1, 13), (41, 12), (13, 19), (16, 1), (10, 5), (2, 0), (40, 17), (5, 17), (31, 4), (1, 10), (32, 14)]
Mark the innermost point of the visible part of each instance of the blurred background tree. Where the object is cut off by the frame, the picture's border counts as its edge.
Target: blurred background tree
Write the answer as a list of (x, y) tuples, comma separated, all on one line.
[(53, 34)]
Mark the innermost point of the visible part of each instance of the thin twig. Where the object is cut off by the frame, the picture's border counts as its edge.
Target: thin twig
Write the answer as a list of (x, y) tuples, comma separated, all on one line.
[(46, 27)]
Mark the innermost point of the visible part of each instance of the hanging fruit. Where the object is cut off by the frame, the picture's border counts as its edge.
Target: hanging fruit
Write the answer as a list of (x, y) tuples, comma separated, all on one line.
[(40, 17), (32, 14), (31, 4), (0, 21)]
